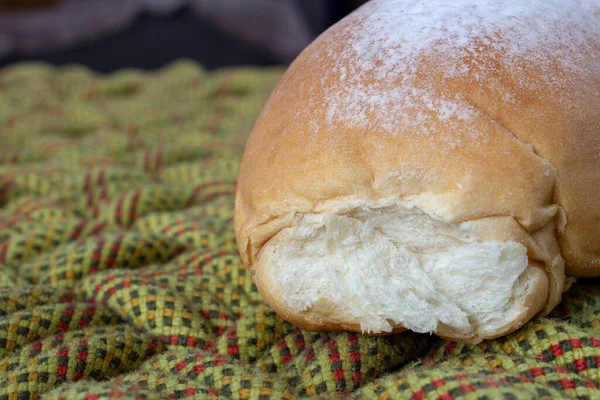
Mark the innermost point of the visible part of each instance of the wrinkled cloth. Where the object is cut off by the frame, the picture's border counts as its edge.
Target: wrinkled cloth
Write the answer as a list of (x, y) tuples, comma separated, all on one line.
[(120, 277), (70, 23), (276, 28)]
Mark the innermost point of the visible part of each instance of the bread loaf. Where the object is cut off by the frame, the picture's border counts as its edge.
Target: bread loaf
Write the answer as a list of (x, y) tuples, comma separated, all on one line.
[(429, 165)]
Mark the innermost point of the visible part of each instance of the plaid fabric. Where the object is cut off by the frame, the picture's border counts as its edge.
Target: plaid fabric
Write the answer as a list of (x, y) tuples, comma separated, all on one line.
[(119, 276)]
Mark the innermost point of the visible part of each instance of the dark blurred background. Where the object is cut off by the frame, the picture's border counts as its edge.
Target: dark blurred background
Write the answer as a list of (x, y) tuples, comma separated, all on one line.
[(111, 34)]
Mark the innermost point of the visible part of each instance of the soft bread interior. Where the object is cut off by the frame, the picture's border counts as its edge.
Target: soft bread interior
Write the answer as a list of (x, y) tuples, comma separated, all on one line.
[(397, 266)]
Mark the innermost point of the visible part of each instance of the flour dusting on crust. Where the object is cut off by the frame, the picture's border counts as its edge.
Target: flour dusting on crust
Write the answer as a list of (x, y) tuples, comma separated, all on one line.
[(385, 43)]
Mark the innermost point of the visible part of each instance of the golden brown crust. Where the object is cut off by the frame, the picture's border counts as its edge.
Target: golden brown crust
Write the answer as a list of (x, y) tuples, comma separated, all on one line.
[(532, 160)]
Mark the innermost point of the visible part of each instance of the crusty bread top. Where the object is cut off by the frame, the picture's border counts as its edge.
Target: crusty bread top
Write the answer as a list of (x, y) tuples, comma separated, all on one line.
[(476, 108)]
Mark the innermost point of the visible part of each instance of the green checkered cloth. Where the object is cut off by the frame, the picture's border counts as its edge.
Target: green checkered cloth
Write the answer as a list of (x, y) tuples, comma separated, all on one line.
[(119, 275)]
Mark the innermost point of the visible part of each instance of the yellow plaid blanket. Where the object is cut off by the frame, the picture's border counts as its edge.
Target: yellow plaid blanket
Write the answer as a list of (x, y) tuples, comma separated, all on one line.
[(119, 275)]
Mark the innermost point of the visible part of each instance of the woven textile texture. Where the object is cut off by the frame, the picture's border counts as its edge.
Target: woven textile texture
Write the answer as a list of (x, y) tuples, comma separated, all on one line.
[(120, 278)]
